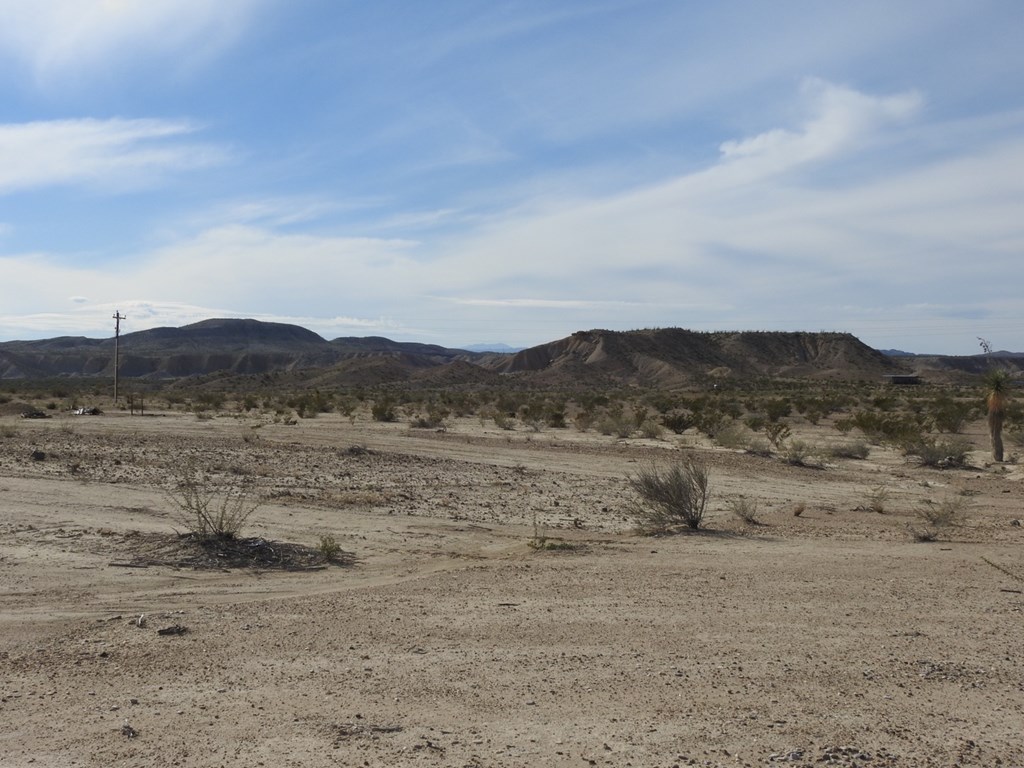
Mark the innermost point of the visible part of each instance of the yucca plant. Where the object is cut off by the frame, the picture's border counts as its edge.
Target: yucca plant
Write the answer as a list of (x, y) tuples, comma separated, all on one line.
[(997, 394)]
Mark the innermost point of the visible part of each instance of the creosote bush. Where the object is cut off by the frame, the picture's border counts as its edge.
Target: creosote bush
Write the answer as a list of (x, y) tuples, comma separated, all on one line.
[(856, 449), (383, 410), (942, 454), (671, 496), (801, 454), (204, 512)]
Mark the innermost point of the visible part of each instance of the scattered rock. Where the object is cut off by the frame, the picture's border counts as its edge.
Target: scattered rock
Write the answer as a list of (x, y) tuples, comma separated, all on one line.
[(174, 629)]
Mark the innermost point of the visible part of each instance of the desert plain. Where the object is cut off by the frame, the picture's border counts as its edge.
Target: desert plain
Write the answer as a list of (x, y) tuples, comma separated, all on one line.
[(490, 603)]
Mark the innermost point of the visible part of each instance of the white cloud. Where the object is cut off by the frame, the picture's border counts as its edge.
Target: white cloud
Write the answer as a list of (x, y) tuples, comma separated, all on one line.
[(64, 37), (96, 320), (234, 271), (917, 252), (113, 153), (842, 119)]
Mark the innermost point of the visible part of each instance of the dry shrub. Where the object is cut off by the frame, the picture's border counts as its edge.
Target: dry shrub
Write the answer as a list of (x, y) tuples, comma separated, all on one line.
[(205, 512), (936, 518), (802, 454), (745, 509), (671, 496), (941, 454), (857, 449), (877, 498), (651, 429), (732, 435)]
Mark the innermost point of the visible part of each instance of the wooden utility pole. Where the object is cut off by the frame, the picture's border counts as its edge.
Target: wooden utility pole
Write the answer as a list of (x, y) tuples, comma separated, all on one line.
[(118, 317)]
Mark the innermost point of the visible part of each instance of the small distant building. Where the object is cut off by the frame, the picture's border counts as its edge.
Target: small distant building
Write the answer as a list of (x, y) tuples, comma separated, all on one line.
[(902, 379)]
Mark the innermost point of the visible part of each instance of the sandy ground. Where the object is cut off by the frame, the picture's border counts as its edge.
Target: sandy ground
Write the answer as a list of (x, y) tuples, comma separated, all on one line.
[(828, 638)]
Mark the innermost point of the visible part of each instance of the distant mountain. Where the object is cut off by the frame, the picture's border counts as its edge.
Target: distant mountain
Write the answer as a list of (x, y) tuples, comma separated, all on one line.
[(218, 345), (504, 349), (675, 356), (243, 353), (896, 353)]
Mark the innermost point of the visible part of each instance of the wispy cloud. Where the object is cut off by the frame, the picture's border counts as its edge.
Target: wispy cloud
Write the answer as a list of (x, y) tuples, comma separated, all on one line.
[(114, 153), (232, 271), (95, 320), (841, 117), (582, 304), (64, 37)]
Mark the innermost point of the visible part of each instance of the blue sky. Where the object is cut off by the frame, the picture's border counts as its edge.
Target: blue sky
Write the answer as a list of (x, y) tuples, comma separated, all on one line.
[(463, 171)]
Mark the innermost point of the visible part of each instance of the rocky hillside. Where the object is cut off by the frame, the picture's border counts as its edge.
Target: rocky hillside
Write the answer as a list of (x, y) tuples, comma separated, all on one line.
[(673, 356), (295, 356), (235, 346)]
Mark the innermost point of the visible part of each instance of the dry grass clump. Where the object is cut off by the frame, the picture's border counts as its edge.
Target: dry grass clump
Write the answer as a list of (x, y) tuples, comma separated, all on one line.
[(877, 499), (745, 509), (935, 518)]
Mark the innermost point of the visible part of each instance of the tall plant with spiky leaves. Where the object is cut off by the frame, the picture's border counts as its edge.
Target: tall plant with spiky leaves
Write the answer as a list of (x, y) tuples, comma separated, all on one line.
[(997, 393)]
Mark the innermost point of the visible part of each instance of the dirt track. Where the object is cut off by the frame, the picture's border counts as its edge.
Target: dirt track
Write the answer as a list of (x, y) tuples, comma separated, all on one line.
[(828, 638)]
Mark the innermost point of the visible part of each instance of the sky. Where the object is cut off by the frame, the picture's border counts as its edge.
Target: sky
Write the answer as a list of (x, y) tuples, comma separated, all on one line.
[(481, 171)]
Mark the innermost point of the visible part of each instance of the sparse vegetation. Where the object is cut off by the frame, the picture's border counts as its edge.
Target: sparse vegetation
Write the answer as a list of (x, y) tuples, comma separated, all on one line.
[(672, 496), (651, 429), (854, 449), (777, 434), (936, 518), (941, 454), (616, 423), (745, 509), (329, 547), (383, 409), (205, 512), (800, 453), (732, 435), (877, 499)]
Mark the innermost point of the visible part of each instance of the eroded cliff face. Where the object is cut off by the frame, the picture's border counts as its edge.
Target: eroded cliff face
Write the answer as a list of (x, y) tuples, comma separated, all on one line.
[(671, 356)]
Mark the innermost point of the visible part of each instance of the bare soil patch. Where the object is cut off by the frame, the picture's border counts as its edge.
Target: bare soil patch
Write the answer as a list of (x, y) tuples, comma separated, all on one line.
[(441, 637)]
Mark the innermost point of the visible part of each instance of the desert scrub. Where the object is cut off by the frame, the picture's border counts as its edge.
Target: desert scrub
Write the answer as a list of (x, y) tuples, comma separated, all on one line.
[(856, 449), (671, 496), (935, 518), (651, 429), (616, 423), (383, 410), (941, 454), (678, 422), (503, 421), (732, 435), (876, 499), (745, 509), (777, 434), (949, 415), (203, 511), (329, 548), (799, 453)]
